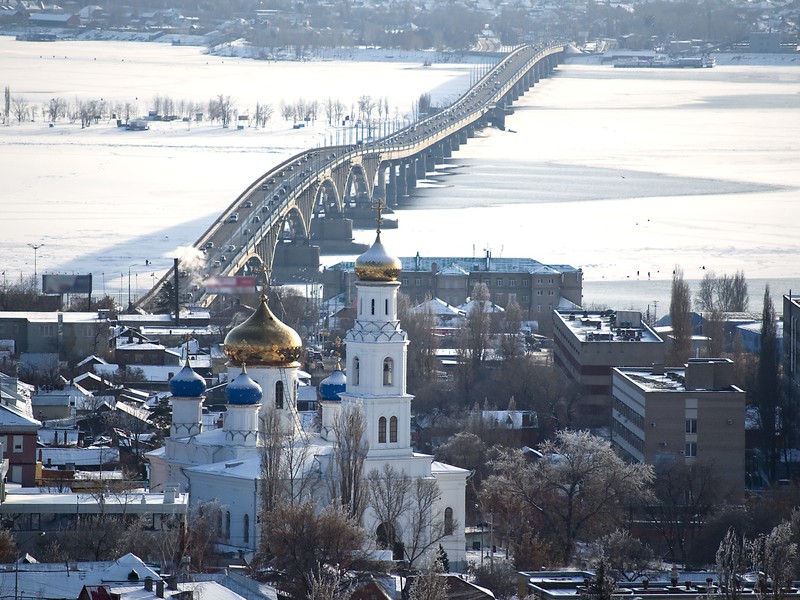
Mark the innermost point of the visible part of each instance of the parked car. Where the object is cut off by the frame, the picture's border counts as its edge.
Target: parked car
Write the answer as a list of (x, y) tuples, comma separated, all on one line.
[(248, 204)]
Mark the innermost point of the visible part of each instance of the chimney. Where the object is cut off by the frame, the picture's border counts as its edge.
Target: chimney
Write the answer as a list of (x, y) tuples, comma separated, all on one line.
[(160, 588), (148, 584), (172, 582)]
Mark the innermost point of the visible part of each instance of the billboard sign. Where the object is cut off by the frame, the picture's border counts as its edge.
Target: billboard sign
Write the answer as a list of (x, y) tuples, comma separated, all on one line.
[(230, 285), (67, 284)]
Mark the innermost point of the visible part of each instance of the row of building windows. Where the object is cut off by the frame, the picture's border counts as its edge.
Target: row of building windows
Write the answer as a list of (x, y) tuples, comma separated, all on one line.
[(626, 412), (622, 432)]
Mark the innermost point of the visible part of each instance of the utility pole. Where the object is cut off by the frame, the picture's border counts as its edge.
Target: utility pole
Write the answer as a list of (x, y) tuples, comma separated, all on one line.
[(35, 271)]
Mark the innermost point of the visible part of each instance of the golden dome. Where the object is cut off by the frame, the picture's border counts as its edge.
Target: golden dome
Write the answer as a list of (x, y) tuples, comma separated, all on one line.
[(376, 264), (263, 340)]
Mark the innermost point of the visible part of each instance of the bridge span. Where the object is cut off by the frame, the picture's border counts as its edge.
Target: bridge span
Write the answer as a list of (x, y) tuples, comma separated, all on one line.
[(311, 195)]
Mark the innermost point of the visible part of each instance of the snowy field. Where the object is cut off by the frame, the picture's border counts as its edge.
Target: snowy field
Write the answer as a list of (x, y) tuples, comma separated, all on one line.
[(106, 200)]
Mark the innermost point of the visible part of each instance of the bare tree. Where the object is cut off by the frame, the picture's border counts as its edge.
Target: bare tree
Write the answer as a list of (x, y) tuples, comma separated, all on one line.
[(419, 323), (626, 556), (731, 561), (20, 108), (773, 556), (307, 547), (574, 492), (685, 496), (680, 317), (715, 332), (406, 510), (350, 451)]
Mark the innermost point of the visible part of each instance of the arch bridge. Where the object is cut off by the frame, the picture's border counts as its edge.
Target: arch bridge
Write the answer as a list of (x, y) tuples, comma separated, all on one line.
[(310, 195)]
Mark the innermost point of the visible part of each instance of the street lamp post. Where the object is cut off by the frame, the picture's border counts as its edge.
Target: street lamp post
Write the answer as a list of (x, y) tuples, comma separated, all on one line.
[(35, 271)]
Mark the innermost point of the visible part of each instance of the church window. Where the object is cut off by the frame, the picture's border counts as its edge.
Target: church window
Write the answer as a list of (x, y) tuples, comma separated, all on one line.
[(382, 430), (246, 529), (448, 521), (355, 370), (227, 524), (372, 310), (393, 429), (388, 368), (278, 394), (386, 307)]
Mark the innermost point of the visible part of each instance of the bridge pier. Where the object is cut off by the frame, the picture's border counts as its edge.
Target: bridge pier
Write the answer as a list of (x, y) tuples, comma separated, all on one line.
[(454, 142), (430, 161), (446, 153), (419, 164), (380, 187), (470, 132), (537, 72), (400, 181), (438, 155), (296, 255), (463, 134), (411, 176)]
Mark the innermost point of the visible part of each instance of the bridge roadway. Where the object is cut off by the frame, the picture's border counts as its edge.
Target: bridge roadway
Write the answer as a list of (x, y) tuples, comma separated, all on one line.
[(327, 184)]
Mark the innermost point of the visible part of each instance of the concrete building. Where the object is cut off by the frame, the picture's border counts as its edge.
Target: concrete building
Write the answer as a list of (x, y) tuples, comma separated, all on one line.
[(69, 334), (537, 288), (690, 415), (18, 437), (588, 345)]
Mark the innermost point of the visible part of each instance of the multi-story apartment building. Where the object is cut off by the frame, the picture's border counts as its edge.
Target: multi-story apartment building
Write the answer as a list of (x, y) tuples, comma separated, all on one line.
[(588, 345), (537, 288), (689, 415)]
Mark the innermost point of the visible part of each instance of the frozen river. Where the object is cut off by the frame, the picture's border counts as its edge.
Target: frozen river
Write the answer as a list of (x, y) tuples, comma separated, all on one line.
[(621, 172)]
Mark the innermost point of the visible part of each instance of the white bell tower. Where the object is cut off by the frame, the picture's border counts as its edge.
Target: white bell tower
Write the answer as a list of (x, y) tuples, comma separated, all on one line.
[(376, 356)]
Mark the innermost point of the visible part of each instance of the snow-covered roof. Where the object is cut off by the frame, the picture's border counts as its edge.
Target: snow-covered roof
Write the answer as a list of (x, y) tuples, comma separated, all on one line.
[(80, 457), (439, 308), (12, 417)]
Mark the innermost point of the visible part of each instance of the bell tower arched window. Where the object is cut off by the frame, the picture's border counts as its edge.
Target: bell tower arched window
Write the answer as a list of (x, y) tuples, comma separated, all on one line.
[(246, 528), (393, 429), (388, 371), (382, 430), (278, 394), (448, 521), (355, 370)]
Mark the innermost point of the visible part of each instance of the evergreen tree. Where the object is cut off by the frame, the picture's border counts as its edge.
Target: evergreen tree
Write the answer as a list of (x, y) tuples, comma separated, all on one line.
[(768, 389), (441, 558)]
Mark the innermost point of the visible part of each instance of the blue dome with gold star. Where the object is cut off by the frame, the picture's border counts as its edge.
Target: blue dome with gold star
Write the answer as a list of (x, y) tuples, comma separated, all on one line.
[(243, 391), (333, 385), (187, 384)]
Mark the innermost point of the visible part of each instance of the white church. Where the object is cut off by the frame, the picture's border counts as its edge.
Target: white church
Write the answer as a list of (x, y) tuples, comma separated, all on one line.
[(224, 465)]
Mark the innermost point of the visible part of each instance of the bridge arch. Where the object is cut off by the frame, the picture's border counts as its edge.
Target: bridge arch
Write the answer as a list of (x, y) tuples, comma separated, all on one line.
[(327, 200), (293, 226), (357, 189)]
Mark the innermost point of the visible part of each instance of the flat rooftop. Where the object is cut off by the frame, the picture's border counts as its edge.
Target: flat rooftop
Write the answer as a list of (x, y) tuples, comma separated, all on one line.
[(466, 265), (608, 326)]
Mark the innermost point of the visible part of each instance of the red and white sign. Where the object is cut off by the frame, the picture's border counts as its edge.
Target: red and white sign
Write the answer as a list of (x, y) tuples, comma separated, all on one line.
[(230, 285)]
